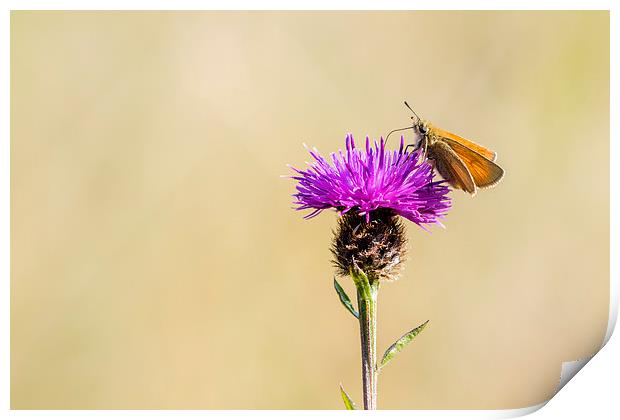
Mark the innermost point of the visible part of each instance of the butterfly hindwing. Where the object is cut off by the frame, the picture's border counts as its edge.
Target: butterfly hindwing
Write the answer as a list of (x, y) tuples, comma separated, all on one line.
[(484, 172), (451, 167)]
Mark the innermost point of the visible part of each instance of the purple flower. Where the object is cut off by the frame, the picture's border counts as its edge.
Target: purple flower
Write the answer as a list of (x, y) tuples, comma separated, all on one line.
[(371, 179)]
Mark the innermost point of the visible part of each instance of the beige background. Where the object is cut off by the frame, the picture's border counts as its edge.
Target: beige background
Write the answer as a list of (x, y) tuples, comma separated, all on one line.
[(156, 262)]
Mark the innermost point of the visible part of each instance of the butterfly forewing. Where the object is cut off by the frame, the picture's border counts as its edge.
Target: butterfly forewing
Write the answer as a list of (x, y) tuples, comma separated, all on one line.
[(489, 154)]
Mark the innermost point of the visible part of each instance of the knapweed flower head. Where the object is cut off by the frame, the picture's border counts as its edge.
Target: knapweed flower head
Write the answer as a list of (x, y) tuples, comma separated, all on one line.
[(371, 188), (366, 180)]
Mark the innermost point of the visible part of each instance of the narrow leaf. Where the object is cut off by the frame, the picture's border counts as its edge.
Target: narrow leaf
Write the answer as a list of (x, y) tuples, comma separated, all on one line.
[(395, 348), (348, 402), (345, 299)]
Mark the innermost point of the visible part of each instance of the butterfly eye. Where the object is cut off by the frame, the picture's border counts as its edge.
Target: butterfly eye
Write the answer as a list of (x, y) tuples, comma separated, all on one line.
[(423, 129)]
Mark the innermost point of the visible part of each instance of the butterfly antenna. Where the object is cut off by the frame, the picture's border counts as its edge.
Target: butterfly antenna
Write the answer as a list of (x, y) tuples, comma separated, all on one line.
[(393, 131), (411, 109)]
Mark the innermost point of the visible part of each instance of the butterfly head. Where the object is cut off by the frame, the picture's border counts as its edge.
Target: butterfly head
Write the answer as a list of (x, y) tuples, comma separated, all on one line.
[(422, 126)]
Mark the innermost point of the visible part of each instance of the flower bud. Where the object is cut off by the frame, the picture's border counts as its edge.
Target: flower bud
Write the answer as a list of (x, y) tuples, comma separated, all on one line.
[(377, 247)]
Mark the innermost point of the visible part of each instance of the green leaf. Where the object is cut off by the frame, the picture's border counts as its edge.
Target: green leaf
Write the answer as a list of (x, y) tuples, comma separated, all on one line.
[(345, 299), (348, 402), (395, 348)]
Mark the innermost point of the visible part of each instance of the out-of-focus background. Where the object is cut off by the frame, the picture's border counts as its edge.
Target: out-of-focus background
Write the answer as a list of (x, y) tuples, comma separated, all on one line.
[(156, 261)]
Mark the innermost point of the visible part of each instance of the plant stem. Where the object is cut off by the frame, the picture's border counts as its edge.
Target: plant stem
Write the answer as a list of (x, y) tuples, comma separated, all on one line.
[(367, 306)]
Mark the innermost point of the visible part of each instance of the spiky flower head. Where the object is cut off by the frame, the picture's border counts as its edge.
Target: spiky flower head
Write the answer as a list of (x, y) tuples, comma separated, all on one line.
[(371, 188), (367, 180)]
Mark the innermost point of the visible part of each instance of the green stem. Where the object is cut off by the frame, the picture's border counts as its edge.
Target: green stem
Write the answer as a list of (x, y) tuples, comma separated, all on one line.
[(367, 306)]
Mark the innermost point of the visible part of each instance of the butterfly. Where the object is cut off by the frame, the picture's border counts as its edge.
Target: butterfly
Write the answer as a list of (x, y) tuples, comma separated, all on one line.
[(462, 163)]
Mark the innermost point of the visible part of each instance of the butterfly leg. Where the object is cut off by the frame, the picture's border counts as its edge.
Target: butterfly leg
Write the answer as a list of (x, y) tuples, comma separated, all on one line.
[(433, 164), (406, 151), (425, 149), (412, 146)]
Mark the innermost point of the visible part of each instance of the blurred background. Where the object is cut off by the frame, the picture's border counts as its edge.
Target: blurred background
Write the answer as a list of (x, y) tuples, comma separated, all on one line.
[(156, 261)]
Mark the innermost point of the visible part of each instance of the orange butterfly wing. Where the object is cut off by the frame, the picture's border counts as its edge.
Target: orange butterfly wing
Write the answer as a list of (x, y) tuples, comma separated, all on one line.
[(485, 172), (489, 154), (451, 167)]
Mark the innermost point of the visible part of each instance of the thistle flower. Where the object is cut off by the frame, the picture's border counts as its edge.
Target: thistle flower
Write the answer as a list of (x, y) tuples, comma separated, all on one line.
[(371, 179), (371, 188)]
